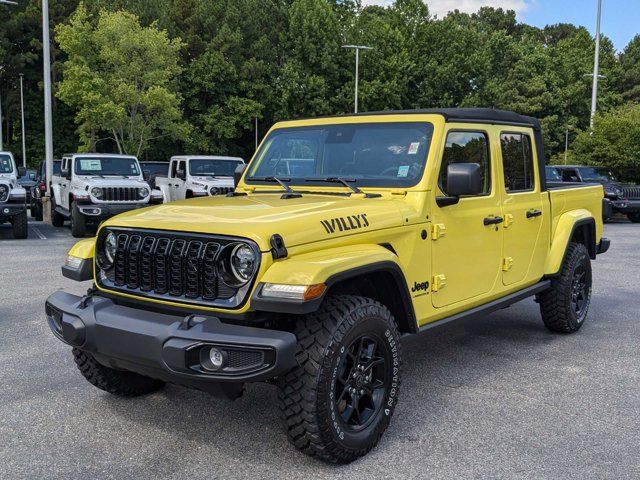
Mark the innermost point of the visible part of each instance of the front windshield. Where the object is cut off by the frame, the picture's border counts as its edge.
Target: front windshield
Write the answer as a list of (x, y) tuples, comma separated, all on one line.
[(596, 174), (372, 154), (6, 165), (209, 166), (553, 175), (126, 166)]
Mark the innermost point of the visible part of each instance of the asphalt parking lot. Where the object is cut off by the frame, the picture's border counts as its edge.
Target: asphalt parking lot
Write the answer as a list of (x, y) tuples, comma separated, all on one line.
[(498, 397)]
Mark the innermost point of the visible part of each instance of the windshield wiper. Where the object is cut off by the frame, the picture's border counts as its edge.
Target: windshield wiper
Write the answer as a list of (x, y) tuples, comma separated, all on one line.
[(344, 181), (289, 192)]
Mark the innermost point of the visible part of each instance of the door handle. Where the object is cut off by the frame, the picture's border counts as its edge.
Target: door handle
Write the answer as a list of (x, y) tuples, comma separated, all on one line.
[(533, 213), (493, 220)]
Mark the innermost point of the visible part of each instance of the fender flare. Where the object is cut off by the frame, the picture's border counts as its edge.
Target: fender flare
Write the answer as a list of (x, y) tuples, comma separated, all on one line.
[(567, 225)]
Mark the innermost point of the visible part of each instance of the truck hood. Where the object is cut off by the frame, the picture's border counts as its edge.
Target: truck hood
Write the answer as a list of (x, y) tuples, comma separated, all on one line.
[(300, 220)]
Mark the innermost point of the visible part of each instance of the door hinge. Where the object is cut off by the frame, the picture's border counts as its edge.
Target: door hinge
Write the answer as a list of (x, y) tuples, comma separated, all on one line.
[(508, 220), (439, 281), (438, 230), (507, 263)]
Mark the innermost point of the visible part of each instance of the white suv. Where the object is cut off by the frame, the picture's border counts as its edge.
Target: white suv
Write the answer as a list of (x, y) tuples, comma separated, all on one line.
[(13, 207), (92, 187), (198, 176)]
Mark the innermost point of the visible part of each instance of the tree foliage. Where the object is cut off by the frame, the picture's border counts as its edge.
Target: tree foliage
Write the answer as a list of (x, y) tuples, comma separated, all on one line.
[(161, 77)]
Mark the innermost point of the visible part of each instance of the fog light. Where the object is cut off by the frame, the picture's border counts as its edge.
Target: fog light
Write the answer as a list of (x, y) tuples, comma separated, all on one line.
[(212, 358), (216, 358), (6, 210)]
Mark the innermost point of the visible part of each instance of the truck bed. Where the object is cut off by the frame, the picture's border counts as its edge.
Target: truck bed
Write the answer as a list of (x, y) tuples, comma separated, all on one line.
[(565, 197)]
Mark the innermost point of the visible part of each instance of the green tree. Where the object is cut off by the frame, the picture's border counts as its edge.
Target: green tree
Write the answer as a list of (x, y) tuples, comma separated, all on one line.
[(630, 66), (119, 77)]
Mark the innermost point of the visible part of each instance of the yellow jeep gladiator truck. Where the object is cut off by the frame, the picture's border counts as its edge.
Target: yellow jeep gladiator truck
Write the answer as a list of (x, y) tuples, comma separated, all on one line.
[(343, 235)]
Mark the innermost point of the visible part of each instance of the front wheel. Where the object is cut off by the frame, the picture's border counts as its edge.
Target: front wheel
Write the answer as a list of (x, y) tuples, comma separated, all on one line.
[(57, 219), (20, 225), (565, 304), (634, 217), (78, 222), (340, 398)]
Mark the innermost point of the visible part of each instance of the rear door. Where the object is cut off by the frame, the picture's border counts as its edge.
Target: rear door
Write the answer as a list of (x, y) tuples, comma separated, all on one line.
[(63, 183), (466, 237), (525, 209)]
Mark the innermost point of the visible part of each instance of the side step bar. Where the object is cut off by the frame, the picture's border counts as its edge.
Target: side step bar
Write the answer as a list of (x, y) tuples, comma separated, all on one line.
[(490, 307), (63, 211)]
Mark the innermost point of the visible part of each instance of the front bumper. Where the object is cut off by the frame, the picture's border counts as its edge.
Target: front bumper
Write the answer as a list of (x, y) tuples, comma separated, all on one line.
[(101, 211), (626, 206), (11, 209), (171, 348)]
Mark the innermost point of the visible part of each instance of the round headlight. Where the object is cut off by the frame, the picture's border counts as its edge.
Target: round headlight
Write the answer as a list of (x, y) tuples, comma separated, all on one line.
[(108, 253), (214, 191), (143, 192), (4, 192), (96, 192), (238, 264)]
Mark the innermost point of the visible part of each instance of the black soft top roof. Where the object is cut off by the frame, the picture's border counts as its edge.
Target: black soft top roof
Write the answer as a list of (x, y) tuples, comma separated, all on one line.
[(466, 115)]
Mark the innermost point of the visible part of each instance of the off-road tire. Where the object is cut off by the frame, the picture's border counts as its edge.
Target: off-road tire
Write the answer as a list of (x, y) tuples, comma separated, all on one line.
[(57, 219), (116, 382), (78, 222), (36, 212), (307, 391), (20, 225), (556, 303), (634, 217)]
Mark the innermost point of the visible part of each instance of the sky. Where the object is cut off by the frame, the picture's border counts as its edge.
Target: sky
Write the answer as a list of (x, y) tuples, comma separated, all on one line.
[(620, 18)]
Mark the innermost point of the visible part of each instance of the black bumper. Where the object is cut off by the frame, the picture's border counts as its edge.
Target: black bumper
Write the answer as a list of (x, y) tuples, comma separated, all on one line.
[(169, 347), (11, 209), (626, 206), (101, 212), (603, 246)]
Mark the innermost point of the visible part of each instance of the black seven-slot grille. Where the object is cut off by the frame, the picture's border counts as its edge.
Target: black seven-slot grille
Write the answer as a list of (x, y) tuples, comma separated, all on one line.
[(120, 194), (172, 266), (631, 193), (221, 190)]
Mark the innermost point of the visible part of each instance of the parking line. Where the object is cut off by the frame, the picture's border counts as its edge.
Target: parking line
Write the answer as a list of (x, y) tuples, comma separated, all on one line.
[(39, 233)]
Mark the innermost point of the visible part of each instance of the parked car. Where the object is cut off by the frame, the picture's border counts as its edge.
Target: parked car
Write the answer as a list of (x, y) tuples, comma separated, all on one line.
[(198, 176), (409, 220), (27, 181), (92, 187), (552, 174), (624, 198), (39, 190), (151, 169), (13, 207)]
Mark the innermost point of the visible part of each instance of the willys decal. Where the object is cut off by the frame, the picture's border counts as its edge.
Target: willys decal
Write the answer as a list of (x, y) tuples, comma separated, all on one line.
[(343, 224)]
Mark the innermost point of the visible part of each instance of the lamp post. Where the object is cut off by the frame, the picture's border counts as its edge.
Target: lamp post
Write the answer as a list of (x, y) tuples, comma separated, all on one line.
[(48, 128), (357, 48), (24, 142), (596, 67)]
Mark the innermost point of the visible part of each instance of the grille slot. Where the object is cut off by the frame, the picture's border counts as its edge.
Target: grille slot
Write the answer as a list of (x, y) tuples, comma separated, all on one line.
[(119, 194), (176, 266), (631, 193), (242, 359)]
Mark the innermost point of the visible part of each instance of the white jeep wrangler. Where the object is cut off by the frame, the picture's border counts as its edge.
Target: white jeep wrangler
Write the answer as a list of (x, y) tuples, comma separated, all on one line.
[(13, 207), (198, 176), (92, 187)]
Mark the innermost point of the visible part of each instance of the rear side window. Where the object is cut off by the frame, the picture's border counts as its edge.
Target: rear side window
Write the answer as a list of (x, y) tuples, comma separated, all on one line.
[(517, 162), (467, 147)]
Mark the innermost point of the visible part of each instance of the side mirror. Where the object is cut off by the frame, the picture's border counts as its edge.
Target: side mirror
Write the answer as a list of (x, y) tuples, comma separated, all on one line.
[(237, 174), (22, 171), (463, 179), (181, 174)]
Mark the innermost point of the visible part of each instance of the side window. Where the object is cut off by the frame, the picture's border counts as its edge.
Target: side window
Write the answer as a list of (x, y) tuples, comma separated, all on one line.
[(466, 147), (517, 162), (182, 166), (174, 167), (570, 175)]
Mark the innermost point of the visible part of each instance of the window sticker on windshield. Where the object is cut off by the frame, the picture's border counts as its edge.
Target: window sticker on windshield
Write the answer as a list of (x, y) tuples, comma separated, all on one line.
[(413, 149), (90, 164), (403, 170)]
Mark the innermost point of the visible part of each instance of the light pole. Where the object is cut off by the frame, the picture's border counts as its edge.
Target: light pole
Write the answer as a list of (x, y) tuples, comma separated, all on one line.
[(48, 128), (596, 67), (24, 143), (357, 48)]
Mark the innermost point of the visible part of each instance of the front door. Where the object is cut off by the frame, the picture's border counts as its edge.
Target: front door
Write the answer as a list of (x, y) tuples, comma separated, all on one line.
[(523, 208), (466, 237), (65, 184), (176, 185)]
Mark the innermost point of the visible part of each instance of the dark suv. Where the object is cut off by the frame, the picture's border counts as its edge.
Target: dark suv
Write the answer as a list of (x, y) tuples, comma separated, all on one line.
[(624, 198), (40, 188)]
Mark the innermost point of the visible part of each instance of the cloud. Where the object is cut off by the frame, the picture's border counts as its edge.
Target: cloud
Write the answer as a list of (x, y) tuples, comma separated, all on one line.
[(442, 7)]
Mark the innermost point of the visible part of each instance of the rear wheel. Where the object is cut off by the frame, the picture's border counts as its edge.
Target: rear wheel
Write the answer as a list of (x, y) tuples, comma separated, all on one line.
[(339, 400), (20, 225), (116, 382), (634, 217), (57, 219), (78, 222), (565, 304), (36, 211)]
